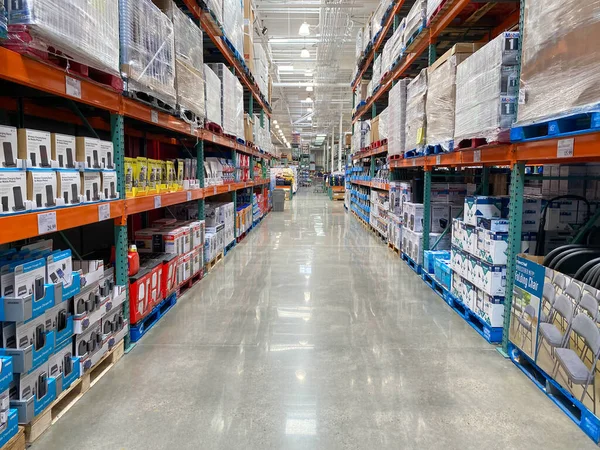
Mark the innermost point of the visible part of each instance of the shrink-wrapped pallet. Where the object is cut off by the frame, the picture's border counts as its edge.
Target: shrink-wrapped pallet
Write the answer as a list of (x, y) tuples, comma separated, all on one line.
[(416, 119), (393, 48), (384, 124), (87, 32), (441, 95), (376, 19), (415, 20), (261, 69), (233, 23), (216, 6), (213, 96), (147, 50), (486, 88), (559, 72), (432, 8), (376, 72), (397, 117), (359, 45), (232, 101)]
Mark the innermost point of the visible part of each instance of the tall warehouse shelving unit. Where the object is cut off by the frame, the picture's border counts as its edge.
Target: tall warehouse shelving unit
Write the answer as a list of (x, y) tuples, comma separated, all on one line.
[(44, 96), (514, 169)]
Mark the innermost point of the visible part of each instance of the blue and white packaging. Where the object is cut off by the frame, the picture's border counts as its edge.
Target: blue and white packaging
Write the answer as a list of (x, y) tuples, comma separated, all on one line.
[(20, 279), (486, 207), (490, 279), (59, 268), (492, 246), (64, 367), (60, 321), (496, 225), (13, 192)]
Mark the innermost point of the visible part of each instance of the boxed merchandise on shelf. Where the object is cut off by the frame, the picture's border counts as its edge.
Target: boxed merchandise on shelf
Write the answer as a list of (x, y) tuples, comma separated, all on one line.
[(232, 101), (415, 21), (261, 68), (412, 243), (376, 72), (395, 231), (431, 256), (213, 101), (147, 51), (85, 32), (249, 18), (384, 125), (441, 95), (216, 7), (486, 91), (558, 74), (416, 119), (233, 23), (392, 50), (397, 116), (359, 45)]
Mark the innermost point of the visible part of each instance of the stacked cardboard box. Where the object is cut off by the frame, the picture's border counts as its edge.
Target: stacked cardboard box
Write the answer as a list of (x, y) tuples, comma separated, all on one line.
[(232, 101), (233, 23), (397, 118), (213, 96), (416, 119)]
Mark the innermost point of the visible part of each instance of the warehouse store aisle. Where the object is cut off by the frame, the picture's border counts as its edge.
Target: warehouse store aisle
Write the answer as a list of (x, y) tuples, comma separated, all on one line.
[(312, 334)]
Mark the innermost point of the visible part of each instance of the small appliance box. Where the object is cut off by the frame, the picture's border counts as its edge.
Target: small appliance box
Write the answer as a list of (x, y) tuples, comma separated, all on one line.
[(492, 246), (59, 268), (89, 152), (63, 150), (13, 191), (107, 155), (69, 186), (490, 279), (109, 184), (486, 207), (91, 187), (35, 147), (22, 335), (9, 153), (21, 279), (440, 217), (42, 188)]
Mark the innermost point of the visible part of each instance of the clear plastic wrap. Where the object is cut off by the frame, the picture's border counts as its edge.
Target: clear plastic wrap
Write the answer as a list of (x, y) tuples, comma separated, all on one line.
[(415, 20), (397, 117), (232, 101), (359, 45), (416, 119), (87, 32), (559, 72), (376, 72), (392, 48), (147, 49), (486, 89), (441, 95), (432, 6), (216, 6), (261, 69), (233, 23), (189, 59), (384, 124), (213, 96), (376, 20)]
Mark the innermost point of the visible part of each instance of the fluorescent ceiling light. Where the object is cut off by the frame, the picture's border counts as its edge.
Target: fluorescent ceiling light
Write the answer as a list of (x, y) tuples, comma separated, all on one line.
[(277, 126), (275, 123), (288, 145), (304, 53), (308, 99), (304, 30), (309, 88), (309, 110), (308, 73), (286, 68)]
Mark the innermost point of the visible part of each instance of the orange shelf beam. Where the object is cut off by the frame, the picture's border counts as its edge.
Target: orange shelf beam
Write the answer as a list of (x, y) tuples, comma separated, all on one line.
[(24, 226), (586, 147), (374, 152), (146, 203), (378, 43), (498, 155), (380, 186)]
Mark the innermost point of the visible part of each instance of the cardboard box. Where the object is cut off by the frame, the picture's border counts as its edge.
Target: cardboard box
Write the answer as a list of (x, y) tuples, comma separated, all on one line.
[(89, 152), (42, 188), (10, 150), (107, 155), (13, 191), (374, 130), (130, 164), (91, 187), (440, 217), (35, 147), (486, 207), (64, 150), (109, 185), (140, 176)]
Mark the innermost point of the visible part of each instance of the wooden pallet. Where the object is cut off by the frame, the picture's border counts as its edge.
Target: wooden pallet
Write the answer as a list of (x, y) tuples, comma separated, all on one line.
[(211, 265), (69, 397), (17, 442), (393, 248)]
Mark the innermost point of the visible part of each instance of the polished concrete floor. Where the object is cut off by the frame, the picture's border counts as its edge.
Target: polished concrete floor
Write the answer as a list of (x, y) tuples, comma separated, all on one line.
[(313, 335)]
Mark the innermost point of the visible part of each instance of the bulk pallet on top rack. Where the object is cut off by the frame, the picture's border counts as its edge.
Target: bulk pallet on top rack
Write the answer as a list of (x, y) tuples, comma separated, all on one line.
[(43, 96), (533, 176)]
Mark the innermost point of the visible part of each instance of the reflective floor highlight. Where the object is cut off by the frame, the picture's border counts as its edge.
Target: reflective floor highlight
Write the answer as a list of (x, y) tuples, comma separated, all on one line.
[(313, 335)]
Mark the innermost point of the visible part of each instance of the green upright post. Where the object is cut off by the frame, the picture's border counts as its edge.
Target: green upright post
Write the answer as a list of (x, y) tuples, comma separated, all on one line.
[(517, 184), (200, 174), (485, 181), (251, 106), (262, 118), (432, 53), (426, 209), (372, 168), (117, 130)]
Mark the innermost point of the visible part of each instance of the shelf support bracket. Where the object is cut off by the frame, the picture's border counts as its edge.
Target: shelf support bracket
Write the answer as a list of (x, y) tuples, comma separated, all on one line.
[(200, 175), (426, 208), (73, 106)]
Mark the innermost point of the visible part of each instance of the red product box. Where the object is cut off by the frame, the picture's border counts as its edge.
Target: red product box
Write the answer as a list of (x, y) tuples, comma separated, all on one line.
[(169, 274), (145, 289)]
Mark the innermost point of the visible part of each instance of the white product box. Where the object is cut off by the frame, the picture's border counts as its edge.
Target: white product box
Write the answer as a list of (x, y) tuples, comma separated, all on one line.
[(88, 308), (22, 335), (64, 150), (457, 211), (61, 362), (562, 215), (458, 191), (575, 185), (91, 187), (528, 243), (486, 207), (413, 216), (36, 148), (492, 246), (56, 317), (109, 185), (532, 211), (42, 189), (69, 186), (457, 285), (107, 155), (13, 191), (469, 295), (459, 262), (490, 279), (440, 217), (496, 225), (30, 385), (59, 268), (89, 152), (470, 267), (23, 278), (469, 239), (88, 346), (10, 150), (457, 234), (440, 192)]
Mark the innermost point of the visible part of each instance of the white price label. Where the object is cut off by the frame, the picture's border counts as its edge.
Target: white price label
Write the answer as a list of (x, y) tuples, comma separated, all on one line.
[(414, 162), (214, 190), (522, 97), (438, 160), (157, 201), (214, 138), (154, 116), (228, 188), (103, 212), (477, 156), (189, 196), (564, 148), (73, 87), (47, 222)]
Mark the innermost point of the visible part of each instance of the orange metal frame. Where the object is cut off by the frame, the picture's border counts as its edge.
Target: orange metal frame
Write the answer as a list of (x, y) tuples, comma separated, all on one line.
[(366, 154)]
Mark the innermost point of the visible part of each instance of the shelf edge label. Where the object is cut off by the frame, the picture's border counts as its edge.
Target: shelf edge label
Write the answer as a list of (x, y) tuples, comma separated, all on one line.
[(47, 222), (103, 212), (72, 87), (564, 148), (157, 201)]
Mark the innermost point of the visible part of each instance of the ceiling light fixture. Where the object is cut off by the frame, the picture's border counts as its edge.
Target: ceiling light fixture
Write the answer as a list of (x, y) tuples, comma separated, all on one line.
[(286, 68), (304, 53), (308, 73), (304, 30), (275, 122), (277, 126), (309, 110), (309, 88), (308, 99)]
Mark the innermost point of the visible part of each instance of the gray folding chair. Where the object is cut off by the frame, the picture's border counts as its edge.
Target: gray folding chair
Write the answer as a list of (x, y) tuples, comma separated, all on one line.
[(549, 332), (548, 298), (559, 281), (574, 370), (573, 290), (525, 324)]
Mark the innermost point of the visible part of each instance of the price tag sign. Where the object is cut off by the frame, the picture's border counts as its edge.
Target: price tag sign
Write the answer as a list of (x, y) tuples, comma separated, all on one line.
[(564, 148), (154, 116), (103, 212), (192, 129), (73, 87), (189, 195), (157, 201), (438, 160), (414, 162), (47, 222), (477, 156), (214, 190), (214, 138)]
